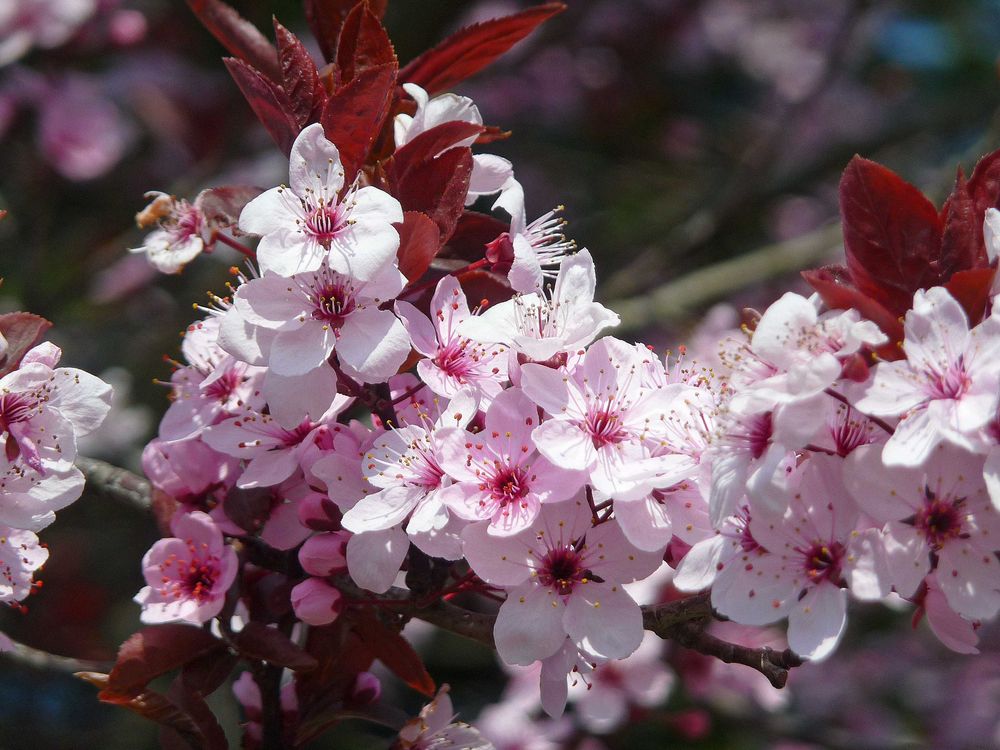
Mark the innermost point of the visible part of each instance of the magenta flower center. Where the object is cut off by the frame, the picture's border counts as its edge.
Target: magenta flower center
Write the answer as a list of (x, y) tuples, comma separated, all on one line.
[(605, 427), (759, 434), (453, 360), (509, 485), (823, 561), (324, 221), (939, 520), (953, 383), (561, 570), (14, 407), (193, 578), (333, 302), (223, 387)]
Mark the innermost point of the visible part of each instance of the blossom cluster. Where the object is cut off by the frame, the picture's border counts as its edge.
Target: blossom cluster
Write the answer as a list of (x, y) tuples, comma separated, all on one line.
[(360, 410), (44, 410)]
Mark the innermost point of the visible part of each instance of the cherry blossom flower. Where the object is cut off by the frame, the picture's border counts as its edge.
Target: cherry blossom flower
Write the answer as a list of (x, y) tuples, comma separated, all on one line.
[(938, 516), (316, 602), (315, 313), (405, 465), (436, 729), (187, 575), (540, 327), (21, 556), (44, 408), (39, 23), (452, 360), (563, 578), (181, 235), (499, 477), (946, 389), (308, 224), (213, 386), (603, 422), (802, 351)]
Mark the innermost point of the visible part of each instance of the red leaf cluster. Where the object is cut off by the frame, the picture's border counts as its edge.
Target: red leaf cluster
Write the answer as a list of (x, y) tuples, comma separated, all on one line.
[(897, 242)]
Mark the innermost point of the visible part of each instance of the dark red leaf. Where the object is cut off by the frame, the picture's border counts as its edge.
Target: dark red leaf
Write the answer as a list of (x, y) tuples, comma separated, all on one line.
[(971, 288), (437, 187), (192, 702), (834, 286), (363, 44), (160, 709), (207, 673), (419, 242), (299, 78), (962, 245), (983, 188), (354, 115), (268, 102), (240, 37), (472, 233), (257, 641), (892, 233), (222, 206), (156, 650), (395, 652), (471, 49), (326, 18), (430, 144), (22, 331)]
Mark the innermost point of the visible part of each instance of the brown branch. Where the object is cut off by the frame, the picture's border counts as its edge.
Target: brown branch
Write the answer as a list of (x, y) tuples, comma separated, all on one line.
[(118, 484), (774, 665), (43, 660)]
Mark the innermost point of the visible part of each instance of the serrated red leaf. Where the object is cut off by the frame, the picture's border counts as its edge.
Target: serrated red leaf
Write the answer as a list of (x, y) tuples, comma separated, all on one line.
[(257, 641), (159, 709), (892, 234), (471, 49), (363, 43), (240, 37), (21, 331), (419, 242), (207, 673), (355, 114), (192, 703), (834, 286), (268, 101), (437, 187), (299, 78), (326, 18), (962, 245), (156, 650), (395, 652), (971, 288)]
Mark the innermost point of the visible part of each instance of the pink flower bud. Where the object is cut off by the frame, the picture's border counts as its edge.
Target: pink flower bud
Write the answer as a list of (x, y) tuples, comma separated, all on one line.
[(366, 690), (325, 554), (316, 602)]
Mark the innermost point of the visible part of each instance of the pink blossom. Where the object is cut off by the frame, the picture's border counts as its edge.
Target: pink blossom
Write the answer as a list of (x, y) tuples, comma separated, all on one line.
[(452, 360), (562, 578), (306, 226), (39, 23), (316, 602), (938, 515), (946, 389), (29, 500), (181, 235), (602, 420), (21, 556), (436, 729), (317, 313), (499, 477), (187, 575), (324, 554), (540, 325)]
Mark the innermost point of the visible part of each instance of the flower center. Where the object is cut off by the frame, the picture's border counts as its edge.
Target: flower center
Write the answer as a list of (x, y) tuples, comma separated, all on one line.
[(822, 561), (953, 383), (939, 520), (453, 360), (509, 485), (324, 221), (562, 569), (14, 407), (333, 302), (605, 428), (759, 434), (223, 387)]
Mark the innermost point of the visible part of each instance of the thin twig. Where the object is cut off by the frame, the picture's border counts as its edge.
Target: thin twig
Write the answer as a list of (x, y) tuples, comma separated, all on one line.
[(38, 659), (116, 483)]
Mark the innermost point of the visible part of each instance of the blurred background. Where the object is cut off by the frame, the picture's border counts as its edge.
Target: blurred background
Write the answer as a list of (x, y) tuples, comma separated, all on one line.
[(697, 147)]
